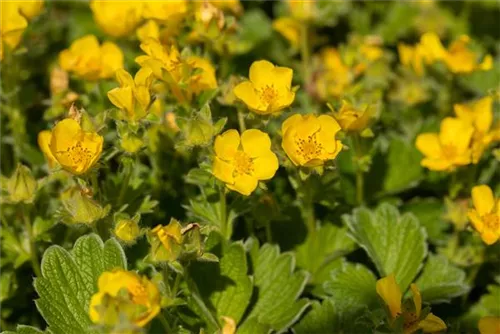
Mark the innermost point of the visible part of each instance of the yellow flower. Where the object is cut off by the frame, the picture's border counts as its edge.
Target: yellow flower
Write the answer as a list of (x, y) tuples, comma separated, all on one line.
[(290, 29), (309, 140), (232, 5), (75, 150), (124, 293), (489, 325), (117, 18), (165, 10), (44, 138), (449, 148), (354, 119), (411, 56), (150, 29), (388, 289), (12, 24), (303, 10), (334, 77), (91, 61), (431, 48), (269, 88), (480, 115), (205, 79), (164, 62), (133, 95), (460, 59), (166, 241), (486, 214), (241, 162)]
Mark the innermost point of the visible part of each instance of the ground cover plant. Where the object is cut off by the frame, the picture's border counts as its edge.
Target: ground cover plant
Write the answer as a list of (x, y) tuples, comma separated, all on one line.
[(250, 167)]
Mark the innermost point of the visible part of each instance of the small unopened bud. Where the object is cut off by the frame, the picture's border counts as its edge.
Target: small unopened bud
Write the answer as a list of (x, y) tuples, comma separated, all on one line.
[(80, 208), (127, 229), (166, 241), (21, 186)]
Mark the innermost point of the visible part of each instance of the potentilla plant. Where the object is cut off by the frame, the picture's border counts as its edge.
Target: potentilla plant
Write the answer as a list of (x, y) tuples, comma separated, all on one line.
[(249, 167)]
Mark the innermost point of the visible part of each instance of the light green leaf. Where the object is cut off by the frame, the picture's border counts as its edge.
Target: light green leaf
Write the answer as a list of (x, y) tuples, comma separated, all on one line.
[(488, 305), (23, 329), (279, 287), (429, 212), (319, 251), (440, 280), (69, 279), (319, 320), (395, 243), (403, 166)]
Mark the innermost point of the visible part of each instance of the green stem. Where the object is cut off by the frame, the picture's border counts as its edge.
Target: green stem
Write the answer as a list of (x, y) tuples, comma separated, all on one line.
[(34, 256), (223, 214), (307, 208), (241, 121), (209, 317), (269, 234), (124, 186), (164, 322), (176, 285), (360, 181)]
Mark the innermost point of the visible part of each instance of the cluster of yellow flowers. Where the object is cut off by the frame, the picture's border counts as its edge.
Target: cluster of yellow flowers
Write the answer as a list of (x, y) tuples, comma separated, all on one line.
[(15, 17), (458, 58)]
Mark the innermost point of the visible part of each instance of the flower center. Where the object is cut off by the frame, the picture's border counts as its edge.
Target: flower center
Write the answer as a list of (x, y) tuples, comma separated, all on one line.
[(449, 151), (308, 147), (243, 164), (492, 221), (139, 294), (79, 155), (268, 94)]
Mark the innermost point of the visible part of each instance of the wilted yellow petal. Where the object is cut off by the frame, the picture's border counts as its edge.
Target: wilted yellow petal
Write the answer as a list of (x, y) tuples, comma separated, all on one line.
[(389, 291)]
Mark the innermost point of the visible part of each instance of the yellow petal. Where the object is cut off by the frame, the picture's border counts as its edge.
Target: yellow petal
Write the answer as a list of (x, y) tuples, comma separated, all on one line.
[(227, 144), (123, 98), (290, 147), (124, 78), (141, 94), (44, 138), (255, 142), (417, 299), (246, 93), (487, 63), (489, 325), (456, 133), (432, 324), (223, 170), (259, 73), (483, 199), (290, 121), (476, 220), (483, 114), (112, 59), (95, 302), (144, 77), (265, 166), (490, 237), (436, 164), (282, 77), (307, 126), (64, 135), (244, 184), (389, 291)]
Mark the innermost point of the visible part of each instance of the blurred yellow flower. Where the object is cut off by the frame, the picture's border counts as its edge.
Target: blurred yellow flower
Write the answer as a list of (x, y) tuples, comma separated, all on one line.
[(388, 289), (133, 96), (44, 138), (165, 10), (411, 57), (303, 10), (354, 119), (166, 241), (117, 18), (231, 5), (91, 61), (150, 29), (124, 293), (449, 148), (309, 140), (290, 29), (269, 89), (205, 78), (460, 59), (334, 77), (489, 325), (241, 162), (480, 115), (485, 216), (28, 8), (75, 150), (127, 229)]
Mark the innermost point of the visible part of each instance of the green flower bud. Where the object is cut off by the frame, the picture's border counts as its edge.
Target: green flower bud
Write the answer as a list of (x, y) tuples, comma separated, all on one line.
[(80, 208), (21, 186)]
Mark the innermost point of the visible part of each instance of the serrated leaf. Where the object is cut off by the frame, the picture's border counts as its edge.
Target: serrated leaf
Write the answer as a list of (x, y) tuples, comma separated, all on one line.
[(403, 166), (319, 320), (69, 279), (429, 212), (395, 243), (225, 287), (320, 250), (279, 286), (440, 280), (351, 289)]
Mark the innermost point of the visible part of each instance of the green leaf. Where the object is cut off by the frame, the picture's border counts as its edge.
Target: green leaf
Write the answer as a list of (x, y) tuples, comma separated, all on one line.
[(225, 287), (488, 305), (352, 290), (278, 288), (321, 319), (429, 213), (23, 329), (403, 166), (440, 280), (69, 279), (395, 243), (318, 252)]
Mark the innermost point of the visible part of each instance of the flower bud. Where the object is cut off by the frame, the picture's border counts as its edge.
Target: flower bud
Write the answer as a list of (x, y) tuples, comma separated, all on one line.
[(127, 229), (21, 186), (166, 241), (79, 208)]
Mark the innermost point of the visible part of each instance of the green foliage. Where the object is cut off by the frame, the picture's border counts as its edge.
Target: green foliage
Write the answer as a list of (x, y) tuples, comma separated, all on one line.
[(69, 279), (440, 280), (395, 243), (319, 320)]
